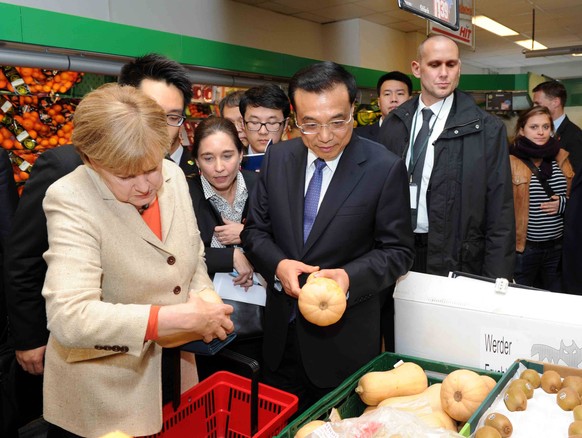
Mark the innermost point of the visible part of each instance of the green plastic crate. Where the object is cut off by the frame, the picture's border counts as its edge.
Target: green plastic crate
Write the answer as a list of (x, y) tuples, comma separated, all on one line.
[(348, 403)]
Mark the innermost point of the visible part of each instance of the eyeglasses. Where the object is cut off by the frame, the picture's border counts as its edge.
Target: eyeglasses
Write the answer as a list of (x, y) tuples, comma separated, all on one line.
[(315, 128), (270, 126), (175, 119)]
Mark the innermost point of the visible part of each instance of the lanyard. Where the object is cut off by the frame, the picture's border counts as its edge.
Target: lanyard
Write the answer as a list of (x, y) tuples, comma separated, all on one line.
[(413, 163)]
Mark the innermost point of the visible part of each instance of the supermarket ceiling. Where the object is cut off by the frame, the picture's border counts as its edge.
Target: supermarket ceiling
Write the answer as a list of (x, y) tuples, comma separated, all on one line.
[(558, 23)]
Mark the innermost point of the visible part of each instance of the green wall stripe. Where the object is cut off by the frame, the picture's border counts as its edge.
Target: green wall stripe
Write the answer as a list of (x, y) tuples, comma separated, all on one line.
[(29, 25)]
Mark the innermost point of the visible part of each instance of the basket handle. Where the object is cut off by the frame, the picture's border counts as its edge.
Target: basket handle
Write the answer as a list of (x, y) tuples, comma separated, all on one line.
[(254, 368)]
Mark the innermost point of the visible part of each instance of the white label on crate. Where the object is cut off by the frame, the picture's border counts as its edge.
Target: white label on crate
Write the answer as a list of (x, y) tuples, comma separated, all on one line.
[(23, 135), (24, 165), (17, 82), (500, 347), (6, 107)]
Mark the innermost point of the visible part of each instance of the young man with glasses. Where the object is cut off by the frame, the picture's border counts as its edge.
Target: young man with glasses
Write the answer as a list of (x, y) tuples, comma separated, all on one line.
[(166, 82), (335, 204), (265, 110)]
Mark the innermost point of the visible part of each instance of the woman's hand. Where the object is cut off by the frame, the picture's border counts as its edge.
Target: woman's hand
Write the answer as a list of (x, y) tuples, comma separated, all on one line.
[(229, 234), (244, 268), (196, 318), (551, 207)]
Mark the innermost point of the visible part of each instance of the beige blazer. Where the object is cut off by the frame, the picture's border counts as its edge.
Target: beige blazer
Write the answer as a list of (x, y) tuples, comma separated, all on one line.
[(105, 269)]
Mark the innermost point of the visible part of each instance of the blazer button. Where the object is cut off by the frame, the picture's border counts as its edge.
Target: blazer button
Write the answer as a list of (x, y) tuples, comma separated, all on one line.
[(171, 260), (177, 290)]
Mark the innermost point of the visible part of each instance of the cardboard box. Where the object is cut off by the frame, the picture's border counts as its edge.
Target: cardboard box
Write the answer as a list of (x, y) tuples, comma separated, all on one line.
[(466, 321), (554, 414)]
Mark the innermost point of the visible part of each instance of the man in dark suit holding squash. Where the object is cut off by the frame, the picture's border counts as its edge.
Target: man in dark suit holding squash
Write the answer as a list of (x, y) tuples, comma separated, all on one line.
[(337, 204)]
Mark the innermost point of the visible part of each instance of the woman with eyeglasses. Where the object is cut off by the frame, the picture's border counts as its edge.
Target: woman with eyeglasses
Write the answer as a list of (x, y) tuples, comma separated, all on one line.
[(220, 196), (542, 176), (126, 274)]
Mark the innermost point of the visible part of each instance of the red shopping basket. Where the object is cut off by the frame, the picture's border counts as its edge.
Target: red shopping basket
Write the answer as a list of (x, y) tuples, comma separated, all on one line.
[(220, 406)]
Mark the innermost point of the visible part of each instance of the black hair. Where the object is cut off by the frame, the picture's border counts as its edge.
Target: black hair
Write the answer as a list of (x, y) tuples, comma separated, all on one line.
[(212, 125), (553, 89), (266, 96), (322, 76), (158, 68), (395, 76), (230, 100)]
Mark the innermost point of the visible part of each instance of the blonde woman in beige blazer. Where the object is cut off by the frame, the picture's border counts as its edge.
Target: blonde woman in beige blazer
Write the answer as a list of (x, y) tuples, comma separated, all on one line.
[(107, 267)]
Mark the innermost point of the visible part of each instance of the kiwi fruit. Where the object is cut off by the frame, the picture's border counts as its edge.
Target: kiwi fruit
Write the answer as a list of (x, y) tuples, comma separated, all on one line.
[(551, 382), (501, 423), (568, 398), (577, 412), (515, 399), (573, 382), (525, 386), (487, 432), (532, 376), (575, 428)]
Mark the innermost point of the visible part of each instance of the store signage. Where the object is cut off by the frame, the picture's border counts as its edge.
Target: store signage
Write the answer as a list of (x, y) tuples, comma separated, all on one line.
[(445, 12), (466, 32)]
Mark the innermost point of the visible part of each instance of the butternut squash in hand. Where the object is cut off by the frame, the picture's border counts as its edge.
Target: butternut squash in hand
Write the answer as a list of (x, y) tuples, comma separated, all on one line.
[(462, 392), (406, 379)]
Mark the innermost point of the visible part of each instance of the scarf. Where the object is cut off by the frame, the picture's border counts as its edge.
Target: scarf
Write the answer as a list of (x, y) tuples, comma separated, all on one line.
[(526, 149)]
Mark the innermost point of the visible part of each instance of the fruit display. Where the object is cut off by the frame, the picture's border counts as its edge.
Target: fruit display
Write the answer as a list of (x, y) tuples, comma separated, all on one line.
[(367, 114), (33, 114), (531, 404)]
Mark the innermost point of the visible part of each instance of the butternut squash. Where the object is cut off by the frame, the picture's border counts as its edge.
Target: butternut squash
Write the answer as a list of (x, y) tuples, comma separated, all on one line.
[(462, 392), (439, 419), (406, 379), (431, 396)]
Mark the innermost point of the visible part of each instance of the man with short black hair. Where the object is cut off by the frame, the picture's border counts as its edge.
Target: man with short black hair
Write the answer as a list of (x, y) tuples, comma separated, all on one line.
[(265, 110), (394, 88), (333, 204), (553, 95)]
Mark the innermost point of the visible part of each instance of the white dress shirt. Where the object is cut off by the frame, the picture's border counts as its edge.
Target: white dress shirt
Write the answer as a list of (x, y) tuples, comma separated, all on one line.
[(327, 173), (441, 111)]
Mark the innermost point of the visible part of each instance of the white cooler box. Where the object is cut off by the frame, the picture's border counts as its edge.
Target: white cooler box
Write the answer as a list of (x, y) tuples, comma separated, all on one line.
[(466, 321)]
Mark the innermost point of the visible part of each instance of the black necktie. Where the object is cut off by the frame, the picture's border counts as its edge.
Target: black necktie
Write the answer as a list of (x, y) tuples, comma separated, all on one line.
[(418, 153)]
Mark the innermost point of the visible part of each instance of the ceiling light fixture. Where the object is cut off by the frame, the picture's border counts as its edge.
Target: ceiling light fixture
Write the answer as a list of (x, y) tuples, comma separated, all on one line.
[(554, 51), (527, 45), (493, 26)]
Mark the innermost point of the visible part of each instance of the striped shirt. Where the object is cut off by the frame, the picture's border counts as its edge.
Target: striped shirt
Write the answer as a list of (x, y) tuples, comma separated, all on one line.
[(542, 226)]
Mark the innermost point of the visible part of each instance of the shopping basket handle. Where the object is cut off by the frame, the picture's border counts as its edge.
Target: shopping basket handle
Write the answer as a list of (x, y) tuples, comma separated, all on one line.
[(254, 367)]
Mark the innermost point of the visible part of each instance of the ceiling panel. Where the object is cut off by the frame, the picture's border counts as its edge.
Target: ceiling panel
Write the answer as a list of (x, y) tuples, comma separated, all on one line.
[(557, 23)]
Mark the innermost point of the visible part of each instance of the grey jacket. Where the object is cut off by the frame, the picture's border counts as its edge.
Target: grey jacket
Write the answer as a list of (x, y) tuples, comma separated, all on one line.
[(470, 201)]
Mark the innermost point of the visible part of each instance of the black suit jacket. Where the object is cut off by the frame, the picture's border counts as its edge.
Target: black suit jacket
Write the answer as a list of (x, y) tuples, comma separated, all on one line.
[(8, 202), (570, 138), (25, 267), (187, 163), (572, 249), (217, 259), (363, 226), (369, 131)]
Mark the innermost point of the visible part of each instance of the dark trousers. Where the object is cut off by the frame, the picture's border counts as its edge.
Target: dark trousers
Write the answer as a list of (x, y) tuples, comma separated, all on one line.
[(539, 265), (420, 247), (387, 319), (291, 376)]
